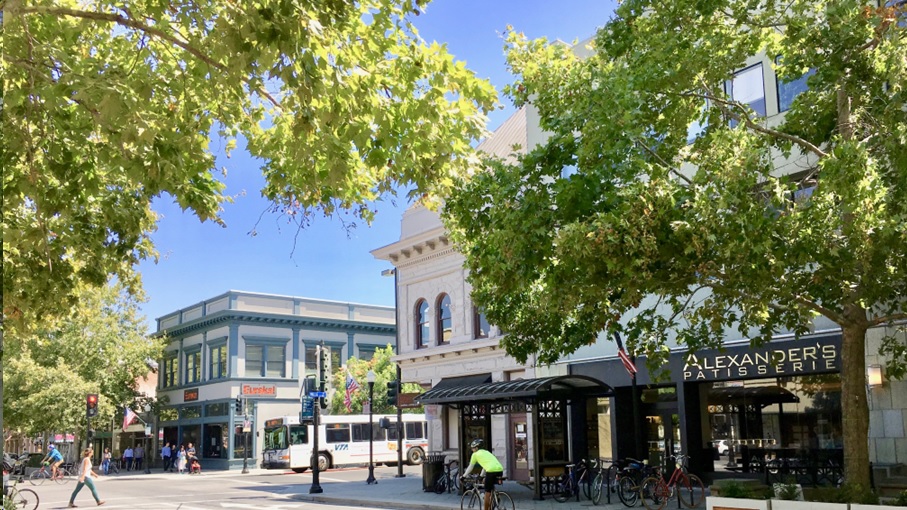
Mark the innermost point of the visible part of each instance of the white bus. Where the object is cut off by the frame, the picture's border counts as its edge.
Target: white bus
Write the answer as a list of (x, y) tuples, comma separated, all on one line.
[(342, 440)]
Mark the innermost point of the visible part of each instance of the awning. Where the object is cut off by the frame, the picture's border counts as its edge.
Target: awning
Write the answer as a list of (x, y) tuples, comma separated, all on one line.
[(461, 382), (528, 390), (751, 395)]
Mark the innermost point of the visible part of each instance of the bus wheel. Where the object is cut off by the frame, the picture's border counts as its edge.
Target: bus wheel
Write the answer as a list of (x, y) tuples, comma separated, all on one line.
[(324, 462), (300, 470), (414, 456)]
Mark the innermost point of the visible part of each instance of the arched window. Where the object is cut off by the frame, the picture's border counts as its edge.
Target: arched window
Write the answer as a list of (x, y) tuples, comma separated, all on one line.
[(421, 324), (481, 328), (445, 321)]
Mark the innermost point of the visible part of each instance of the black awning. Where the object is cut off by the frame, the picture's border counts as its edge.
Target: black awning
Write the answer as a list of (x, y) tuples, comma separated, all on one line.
[(755, 395), (459, 382), (524, 389)]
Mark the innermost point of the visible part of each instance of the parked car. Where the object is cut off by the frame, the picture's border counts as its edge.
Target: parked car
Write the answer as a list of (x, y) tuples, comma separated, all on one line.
[(722, 446)]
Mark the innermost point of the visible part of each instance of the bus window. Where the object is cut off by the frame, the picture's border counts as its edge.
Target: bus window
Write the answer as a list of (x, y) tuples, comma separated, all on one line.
[(276, 438), (299, 434), (415, 430), (360, 432), (392, 432), (337, 433)]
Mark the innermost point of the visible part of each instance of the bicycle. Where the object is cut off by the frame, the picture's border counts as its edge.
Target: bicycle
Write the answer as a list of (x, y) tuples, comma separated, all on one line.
[(113, 468), (46, 473), (447, 480), (622, 477), (25, 499), (689, 489), (570, 482), (474, 495)]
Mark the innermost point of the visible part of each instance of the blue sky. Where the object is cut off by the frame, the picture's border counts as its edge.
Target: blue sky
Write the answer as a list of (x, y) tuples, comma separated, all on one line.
[(324, 261)]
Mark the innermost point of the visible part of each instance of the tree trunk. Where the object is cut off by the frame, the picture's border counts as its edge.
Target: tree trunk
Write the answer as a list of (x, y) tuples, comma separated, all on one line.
[(854, 406)]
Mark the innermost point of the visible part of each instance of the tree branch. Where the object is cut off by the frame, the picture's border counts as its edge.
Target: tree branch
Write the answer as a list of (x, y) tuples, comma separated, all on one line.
[(137, 25), (724, 105), (878, 321), (661, 160)]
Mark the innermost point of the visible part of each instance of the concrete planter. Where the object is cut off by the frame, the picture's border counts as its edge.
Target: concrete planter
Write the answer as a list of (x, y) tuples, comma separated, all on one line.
[(780, 504), (719, 503), (857, 506)]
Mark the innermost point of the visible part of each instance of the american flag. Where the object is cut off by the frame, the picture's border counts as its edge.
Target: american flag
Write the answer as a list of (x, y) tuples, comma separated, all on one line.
[(128, 417), (351, 386), (624, 358)]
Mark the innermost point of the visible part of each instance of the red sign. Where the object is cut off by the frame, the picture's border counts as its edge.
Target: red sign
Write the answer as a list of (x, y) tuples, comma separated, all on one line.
[(259, 391), (190, 395)]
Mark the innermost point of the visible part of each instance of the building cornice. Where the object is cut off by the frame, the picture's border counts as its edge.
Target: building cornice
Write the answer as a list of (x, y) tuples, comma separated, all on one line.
[(256, 318)]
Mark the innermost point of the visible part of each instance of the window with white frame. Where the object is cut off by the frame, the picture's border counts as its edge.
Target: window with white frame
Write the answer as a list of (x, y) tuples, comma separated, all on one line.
[(217, 366), (789, 90), (444, 319), (748, 87), (481, 327), (422, 324), (265, 359), (193, 366), (170, 370)]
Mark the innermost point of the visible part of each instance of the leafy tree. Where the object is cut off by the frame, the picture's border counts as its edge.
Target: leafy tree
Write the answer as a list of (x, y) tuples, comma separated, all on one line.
[(385, 370), (107, 105), (101, 348), (617, 223)]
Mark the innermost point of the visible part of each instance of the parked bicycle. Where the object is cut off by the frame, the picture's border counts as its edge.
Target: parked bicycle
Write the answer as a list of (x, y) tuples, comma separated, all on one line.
[(474, 495), (45, 473), (23, 499), (655, 491), (577, 476), (623, 478), (447, 480)]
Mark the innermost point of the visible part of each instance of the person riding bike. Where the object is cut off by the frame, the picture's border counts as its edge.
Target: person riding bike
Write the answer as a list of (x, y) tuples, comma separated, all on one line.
[(55, 458), (491, 468)]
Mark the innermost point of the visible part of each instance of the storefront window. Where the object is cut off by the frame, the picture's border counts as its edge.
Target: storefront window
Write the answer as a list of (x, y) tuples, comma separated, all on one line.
[(215, 440), (169, 414), (191, 412), (217, 409), (238, 444), (191, 435)]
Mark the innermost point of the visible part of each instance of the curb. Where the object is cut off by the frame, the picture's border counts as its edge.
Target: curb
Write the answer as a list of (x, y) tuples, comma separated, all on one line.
[(392, 505)]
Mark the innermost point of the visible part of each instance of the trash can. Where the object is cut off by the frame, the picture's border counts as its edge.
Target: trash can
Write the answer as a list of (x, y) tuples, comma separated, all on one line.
[(432, 468)]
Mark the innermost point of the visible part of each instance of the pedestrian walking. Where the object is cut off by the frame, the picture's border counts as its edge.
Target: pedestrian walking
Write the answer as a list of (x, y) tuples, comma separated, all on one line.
[(106, 457), (165, 457), (139, 456), (182, 460), (85, 474), (127, 458)]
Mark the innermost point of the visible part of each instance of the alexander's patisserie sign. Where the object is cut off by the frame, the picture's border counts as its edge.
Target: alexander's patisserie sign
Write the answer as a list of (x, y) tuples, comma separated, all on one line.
[(774, 360)]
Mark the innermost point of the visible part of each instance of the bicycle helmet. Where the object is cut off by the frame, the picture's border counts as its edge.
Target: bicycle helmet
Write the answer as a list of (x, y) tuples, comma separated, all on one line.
[(50, 447), (477, 443)]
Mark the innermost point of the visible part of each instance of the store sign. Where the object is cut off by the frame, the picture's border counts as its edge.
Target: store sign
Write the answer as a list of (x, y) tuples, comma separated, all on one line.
[(260, 390), (778, 359), (190, 395)]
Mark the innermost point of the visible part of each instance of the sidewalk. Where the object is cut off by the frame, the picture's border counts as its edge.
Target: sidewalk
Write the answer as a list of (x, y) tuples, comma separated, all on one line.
[(406, 493)]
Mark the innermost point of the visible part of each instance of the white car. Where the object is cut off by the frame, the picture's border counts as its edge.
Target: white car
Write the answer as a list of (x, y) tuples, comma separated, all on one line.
[(722, 446)]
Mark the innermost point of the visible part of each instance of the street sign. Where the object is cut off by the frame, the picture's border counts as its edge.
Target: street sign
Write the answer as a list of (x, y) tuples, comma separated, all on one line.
[(318, 394), (308, 408), (246, 426)]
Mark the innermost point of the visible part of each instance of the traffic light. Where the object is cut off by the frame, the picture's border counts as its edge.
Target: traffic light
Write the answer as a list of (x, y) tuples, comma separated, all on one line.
[(91, 405), (393, 387), (324, 364), (238, 405)]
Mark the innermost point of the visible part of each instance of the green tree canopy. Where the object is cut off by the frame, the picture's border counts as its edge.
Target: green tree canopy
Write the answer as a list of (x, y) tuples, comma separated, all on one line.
[(108, 105), (101, 348), (619, 223), (385, 371)]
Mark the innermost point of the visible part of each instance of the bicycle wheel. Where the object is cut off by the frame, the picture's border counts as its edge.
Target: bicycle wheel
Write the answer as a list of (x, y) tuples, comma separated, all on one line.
[(471, 501), (566, 490), (63, 476), (502, 501), (441, 485), (691, 491), (654, 493), (628, 491), (25, 499), (598, 487), (585, 485), (38, 477)]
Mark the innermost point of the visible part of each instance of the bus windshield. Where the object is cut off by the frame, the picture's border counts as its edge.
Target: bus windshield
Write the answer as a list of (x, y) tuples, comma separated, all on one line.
[(278, 438)]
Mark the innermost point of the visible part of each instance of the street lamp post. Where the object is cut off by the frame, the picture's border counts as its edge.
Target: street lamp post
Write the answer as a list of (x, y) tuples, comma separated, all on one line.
[(399, 424), (370, 377)]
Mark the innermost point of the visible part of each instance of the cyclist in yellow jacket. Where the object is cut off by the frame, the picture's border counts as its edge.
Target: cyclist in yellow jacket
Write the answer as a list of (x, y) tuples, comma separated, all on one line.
[(491, 466)]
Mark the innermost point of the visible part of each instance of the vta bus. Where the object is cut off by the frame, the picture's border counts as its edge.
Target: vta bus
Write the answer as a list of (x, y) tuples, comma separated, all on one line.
[(342, 440)]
